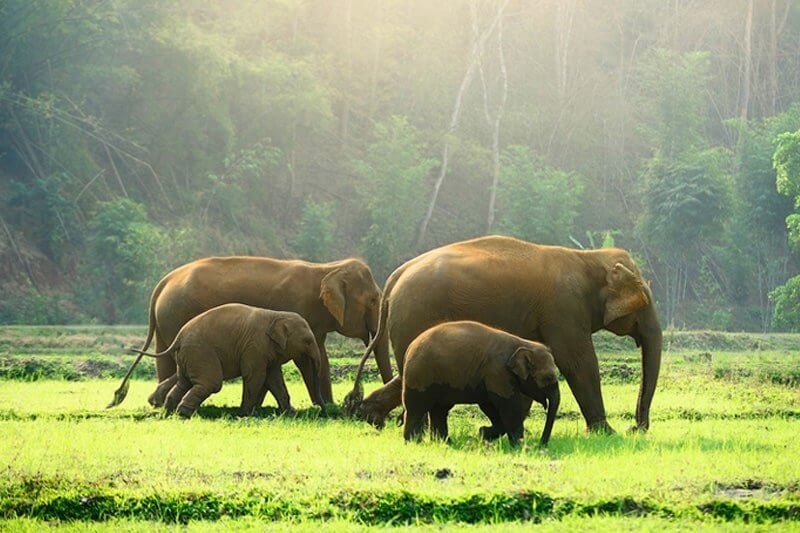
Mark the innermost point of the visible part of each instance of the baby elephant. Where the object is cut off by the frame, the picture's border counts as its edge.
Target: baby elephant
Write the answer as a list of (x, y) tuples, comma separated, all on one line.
[(468, 362), (235, 340)]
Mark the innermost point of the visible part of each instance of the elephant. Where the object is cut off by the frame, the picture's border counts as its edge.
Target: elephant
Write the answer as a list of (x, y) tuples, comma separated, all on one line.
[(550, 294), (235, 340), (468, 362), (340, 296)]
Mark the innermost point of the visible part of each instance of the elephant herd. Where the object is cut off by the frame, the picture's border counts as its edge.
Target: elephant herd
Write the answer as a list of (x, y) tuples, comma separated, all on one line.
[(485, 321)]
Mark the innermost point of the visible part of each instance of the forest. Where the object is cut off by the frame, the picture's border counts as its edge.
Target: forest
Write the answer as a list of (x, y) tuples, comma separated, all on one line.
[(137, 135)]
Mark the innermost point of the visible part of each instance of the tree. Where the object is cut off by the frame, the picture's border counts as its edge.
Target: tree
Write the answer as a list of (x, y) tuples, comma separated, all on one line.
[(760, 211), (313, 241), (787, 305), (128, 256), (536, 202), (394, 172), (787, 167), (686, 203), (687, 186)]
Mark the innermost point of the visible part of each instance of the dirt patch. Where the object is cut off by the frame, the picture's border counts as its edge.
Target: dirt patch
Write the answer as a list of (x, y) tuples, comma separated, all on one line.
[(249, 475), (752, 489)]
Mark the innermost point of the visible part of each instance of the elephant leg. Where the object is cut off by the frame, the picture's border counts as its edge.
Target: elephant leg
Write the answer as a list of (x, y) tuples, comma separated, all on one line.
[(160, 394), (176, 393), (307, 371), (382, 357), (496, 430), (196, 395), (414, 424), (204, 370), (377, 406), (438, 417), (262, 394), (324, 370), (577, 361), (512, 414), (277, 386), (252, 386), (165, 366)]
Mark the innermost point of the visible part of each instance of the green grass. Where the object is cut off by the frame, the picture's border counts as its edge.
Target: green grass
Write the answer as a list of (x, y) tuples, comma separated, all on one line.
[(721, 454)]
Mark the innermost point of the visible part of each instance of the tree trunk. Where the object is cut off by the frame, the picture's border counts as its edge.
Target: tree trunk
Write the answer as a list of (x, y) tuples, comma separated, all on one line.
[(775, 30), (496, 129), (477, 51), (565, 14), (748, 60), (345, 124), (373, 80)]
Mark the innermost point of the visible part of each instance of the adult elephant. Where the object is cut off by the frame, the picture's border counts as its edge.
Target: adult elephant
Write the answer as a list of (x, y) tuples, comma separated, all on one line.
[(550, 294), (340, 296)]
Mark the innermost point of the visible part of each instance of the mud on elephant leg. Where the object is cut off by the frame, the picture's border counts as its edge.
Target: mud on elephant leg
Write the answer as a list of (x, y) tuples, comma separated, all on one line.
[(157, 398), (377, 406)]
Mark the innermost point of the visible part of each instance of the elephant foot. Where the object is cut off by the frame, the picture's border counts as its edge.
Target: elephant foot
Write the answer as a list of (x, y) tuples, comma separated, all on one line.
[(290, 412), (637, 429), (600, 427), (156, 399), (185, 412), (489, 433)]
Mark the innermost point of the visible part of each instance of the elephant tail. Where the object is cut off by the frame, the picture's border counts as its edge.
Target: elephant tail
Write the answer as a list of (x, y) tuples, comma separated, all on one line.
[(154, 355), (122, 391), (355, 396)]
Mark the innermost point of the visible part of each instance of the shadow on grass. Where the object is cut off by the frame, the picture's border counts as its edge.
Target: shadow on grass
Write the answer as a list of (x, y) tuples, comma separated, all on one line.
[(593, 444), (215, 412), (210, 412)]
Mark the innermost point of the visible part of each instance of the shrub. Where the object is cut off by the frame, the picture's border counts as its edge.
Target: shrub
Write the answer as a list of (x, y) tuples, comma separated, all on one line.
[(787, 306), (313, 241)]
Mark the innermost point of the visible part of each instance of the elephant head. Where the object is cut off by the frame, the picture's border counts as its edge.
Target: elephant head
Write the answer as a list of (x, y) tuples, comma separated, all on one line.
[(629, 310), (537, 375), (353, 299), (294, 339)]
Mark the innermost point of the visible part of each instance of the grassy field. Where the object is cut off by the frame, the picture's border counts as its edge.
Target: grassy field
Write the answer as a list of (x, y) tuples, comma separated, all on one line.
[(722, 452)]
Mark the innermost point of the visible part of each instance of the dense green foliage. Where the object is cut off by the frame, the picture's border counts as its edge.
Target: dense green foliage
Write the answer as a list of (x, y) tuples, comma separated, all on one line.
[(136, 135), (537, 203)]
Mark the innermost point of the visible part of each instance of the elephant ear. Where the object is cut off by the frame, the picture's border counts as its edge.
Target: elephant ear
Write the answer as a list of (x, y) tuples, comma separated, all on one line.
[(519, 363), (332, 292), (279, 332), (626, 293)]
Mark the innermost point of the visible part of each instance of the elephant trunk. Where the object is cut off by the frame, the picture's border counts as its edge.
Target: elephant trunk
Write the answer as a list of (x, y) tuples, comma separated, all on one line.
[(553, 401), (651, 339)]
